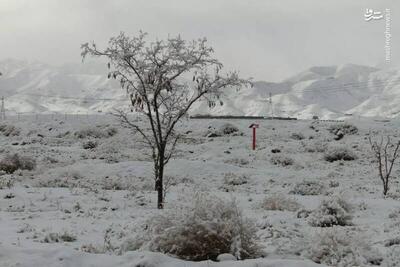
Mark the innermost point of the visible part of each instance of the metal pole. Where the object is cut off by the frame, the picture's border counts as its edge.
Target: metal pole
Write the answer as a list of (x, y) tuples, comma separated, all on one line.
[(3, 109), (254, 138)]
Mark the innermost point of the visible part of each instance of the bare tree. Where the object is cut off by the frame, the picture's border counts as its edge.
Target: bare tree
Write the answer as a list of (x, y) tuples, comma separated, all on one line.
[(386, 154), (163, 79)]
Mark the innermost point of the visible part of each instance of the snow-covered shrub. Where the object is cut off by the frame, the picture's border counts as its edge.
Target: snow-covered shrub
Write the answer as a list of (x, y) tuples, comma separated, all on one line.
[(229, 128), (330, 212), (308, 188), (89, 144), (203, 230), (303, 213), (110, 151), (57, 238), (111, 131), (392, 241), (339, 153), (9, 130), (234, 179), (6, 181), (333, 184), (11, 163), (281, 160), (70, 177), (337, 247), (316, 147), (116, 183), (95, 132), (345, 128), (297, 136), (280, 202), (224, 129)]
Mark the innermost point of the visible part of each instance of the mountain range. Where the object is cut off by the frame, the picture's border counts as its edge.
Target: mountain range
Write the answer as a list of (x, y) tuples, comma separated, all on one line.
[(329, 92)]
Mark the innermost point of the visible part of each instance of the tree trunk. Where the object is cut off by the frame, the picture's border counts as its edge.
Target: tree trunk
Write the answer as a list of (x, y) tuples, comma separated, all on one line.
[(159, 172), (385, 187), (160, 193)]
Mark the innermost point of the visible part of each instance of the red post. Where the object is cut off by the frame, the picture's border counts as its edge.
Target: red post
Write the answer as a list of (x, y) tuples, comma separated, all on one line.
[(254, 138), (254, 126)]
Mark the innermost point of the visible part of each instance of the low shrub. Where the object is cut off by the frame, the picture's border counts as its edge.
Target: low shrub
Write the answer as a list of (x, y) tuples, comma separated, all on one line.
[(95, 132), (280, 202), (234, 179), (308, 188), (6, 181), (228, 128), (316, 147), (339, 153), (57, 238), (335, 247), (11, 163), (9, 130), (345, 128), (332, 211), (90, 144), (281, 160), (201, 231), (224, 129), (297, 136)]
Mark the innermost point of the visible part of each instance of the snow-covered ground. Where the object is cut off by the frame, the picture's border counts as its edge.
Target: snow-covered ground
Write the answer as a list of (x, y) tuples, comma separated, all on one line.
[(79, 206)]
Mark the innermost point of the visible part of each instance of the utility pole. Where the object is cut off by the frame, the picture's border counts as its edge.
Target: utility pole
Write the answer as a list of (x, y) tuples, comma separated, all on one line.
[(270, 106), (3, 109)]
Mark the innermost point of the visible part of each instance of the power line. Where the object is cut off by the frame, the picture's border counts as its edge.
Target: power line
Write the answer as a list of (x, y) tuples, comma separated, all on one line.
[(75, 98)]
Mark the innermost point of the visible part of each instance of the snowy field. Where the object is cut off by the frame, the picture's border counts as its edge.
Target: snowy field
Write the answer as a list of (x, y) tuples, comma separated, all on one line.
[(91, 193)]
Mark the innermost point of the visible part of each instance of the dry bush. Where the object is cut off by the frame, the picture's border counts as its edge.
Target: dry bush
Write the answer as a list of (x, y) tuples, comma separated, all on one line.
[(339, 153), (280, 202), (235, 179), (281, 160), (345, 128), (111, 151), (117, 183), (11, 163), (69, 178), (297, 136), (386, 154), (58, 238), (332, 211), (335, 247), (6, 181), (95, 132), (205, 229), (308, 188), (89, 144), (224, 129), (9, 130), (316, 147)]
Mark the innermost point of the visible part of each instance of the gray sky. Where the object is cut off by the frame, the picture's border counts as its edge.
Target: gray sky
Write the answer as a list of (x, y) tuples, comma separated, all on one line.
[(265, 39)]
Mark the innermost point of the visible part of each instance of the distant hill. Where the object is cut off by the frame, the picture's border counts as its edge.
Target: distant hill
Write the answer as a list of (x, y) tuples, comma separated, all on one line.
[(326, 91)]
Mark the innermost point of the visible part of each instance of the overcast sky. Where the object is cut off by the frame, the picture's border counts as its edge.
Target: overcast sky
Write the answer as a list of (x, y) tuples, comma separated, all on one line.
[(265, 39)]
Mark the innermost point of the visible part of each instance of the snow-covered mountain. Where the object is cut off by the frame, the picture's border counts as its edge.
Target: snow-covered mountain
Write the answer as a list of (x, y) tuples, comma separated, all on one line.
[(72, 88), (328, 92)]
